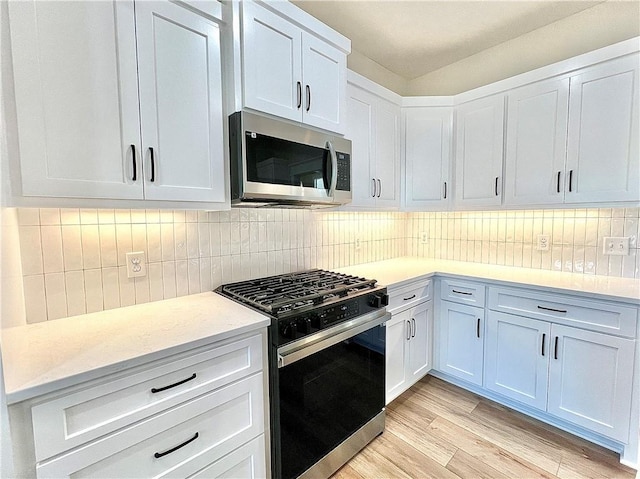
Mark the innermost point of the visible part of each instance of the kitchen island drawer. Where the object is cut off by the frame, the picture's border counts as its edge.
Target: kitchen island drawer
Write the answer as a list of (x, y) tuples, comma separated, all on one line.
[(463, 292), (598, 316), (178, 442), (409, 295), (73, 419)]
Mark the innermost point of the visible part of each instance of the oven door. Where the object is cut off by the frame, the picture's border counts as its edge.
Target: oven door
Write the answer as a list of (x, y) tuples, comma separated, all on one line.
[(329, 386)]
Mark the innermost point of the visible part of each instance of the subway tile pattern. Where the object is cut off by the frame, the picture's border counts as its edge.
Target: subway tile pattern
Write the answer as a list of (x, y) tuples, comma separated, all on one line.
[(74, 262), (510, 238)]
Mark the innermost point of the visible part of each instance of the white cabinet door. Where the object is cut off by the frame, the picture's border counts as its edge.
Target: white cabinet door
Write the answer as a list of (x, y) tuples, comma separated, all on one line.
[(536, 143), (590, 380), (479, 147), (271, 63), (387, 154), (419, 361), (461, 341), (181, 103), (603, 160), (359, 128), (517, 358), (77, 98), (398, 334), (427, 135), (324, 71)]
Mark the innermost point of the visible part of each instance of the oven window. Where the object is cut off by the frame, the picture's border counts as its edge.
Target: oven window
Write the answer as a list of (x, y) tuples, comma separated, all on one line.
[(326, 397), (282, 162)]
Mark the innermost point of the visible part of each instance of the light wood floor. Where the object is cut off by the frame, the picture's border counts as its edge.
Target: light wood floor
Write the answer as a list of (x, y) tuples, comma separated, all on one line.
[(436, 430)]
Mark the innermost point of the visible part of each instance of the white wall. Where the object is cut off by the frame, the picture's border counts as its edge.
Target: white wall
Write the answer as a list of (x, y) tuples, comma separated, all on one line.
[(604, 24)]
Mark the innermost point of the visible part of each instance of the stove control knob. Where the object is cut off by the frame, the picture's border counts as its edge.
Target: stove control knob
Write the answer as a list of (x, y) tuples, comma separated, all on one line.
[(316, 320), (288, 330), (378, 300), (304, 325)]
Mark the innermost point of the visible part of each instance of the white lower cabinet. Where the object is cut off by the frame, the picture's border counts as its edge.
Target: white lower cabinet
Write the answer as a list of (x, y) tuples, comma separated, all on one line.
[(584, 377), (408, 353), (461, 341), (196, 414)]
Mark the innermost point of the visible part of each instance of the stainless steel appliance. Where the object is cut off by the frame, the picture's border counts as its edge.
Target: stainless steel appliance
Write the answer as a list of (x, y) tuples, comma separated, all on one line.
[(326, 366), (275, 163)]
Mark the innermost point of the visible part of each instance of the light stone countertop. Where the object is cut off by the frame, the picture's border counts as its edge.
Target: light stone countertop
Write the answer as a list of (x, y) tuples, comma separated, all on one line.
[(43, 357), (399, 271)]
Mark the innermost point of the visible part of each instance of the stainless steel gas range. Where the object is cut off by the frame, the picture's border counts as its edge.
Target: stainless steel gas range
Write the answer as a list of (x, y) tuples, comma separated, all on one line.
[(326, 366)]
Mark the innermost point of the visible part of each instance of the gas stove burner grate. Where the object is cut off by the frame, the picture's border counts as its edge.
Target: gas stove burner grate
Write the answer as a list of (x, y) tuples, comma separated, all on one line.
[(296, 291)]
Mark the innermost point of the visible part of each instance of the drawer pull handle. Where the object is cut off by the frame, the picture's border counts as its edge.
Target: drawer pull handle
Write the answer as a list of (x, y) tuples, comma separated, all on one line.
[(158, 455), (552, 309), (478, 328), (544, 335), (410, 297), (413, 320), (461, 292), (157, 390), (555, 352)]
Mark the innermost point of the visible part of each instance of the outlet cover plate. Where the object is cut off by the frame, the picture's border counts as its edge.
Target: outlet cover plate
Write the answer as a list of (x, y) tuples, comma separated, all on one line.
[(615, 246), (543, 243), (136, 264)]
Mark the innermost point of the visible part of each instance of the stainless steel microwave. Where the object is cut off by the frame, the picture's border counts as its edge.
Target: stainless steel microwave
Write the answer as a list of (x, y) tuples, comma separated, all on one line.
[(275, 163)]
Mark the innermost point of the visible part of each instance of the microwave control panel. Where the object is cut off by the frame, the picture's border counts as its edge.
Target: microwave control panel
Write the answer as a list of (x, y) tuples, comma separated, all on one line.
[(344, 172)]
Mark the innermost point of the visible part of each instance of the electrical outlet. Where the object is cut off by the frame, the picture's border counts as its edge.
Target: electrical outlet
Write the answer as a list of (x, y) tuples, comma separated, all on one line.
[(136, 266), (543, 243), (616, 246), (424, 237), (356, 243)]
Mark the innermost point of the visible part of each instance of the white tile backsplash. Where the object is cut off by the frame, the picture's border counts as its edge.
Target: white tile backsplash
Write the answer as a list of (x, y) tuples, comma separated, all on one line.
[(74, 260)]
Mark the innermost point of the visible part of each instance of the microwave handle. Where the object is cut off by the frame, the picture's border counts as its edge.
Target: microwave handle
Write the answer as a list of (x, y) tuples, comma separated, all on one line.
[(334, 169)]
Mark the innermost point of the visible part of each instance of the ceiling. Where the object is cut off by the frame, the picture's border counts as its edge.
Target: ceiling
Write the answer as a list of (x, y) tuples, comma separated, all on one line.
[(413, 38)]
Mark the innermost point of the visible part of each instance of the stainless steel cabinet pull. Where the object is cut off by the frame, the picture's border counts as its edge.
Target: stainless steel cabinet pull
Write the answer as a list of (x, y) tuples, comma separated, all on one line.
[(174, 449), (555, 352), (461, 292), (543, 337), (497, 177), (558, 187), (408, 330), (157, 390), (410, 297), (308, 97), (153, 166), (134, 177), (374, 187), (552, 309), (379, 187), (445, 190), (570, 180), (299, 90), (478, 328), (413, 320)]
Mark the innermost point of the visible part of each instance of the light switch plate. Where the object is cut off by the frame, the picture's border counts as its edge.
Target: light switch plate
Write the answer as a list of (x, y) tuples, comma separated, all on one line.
[(136, 264), (615, 246)]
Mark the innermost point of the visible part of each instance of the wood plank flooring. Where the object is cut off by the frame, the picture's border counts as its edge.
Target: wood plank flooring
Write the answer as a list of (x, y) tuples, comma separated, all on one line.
[(437, 430)]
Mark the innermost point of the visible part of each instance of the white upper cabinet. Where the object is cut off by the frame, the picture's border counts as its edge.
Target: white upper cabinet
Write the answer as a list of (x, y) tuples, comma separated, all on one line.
[(427, 155), (77, 98), (603, 160), (84, 130), (536, 139), (479, 148), (373, 126), (290, 72), (181, 104)]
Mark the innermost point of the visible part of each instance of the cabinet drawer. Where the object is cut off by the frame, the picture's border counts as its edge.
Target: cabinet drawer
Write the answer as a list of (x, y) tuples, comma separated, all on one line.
[(68, 421), (246, 462), (586, 314), (462, 292), (177, 442), (409, 295)]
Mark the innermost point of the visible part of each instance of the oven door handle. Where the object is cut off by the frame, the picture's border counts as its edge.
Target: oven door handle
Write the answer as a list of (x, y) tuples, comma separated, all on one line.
[(297, 350)]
